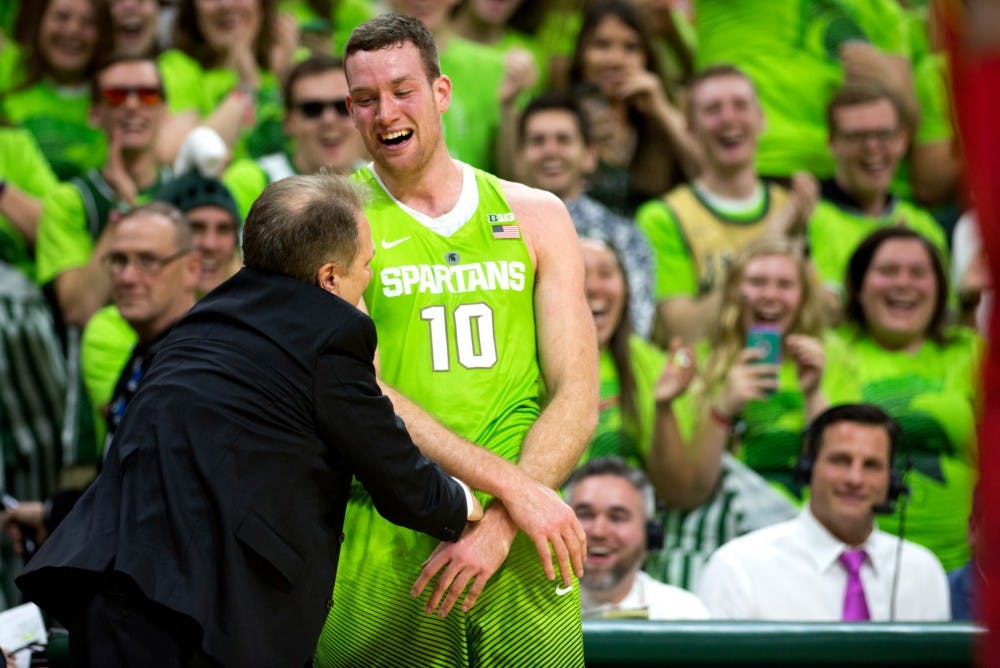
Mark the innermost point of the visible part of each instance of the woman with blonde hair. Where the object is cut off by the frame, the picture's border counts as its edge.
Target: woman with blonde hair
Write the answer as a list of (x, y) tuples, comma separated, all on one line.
[(739, 401)]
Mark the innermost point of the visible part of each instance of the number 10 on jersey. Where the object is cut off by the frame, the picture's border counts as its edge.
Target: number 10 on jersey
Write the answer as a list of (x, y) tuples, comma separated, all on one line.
[(475, 341)]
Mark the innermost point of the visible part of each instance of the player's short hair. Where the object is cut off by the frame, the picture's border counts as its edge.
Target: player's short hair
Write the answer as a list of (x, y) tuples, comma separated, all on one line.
[(390, 30)]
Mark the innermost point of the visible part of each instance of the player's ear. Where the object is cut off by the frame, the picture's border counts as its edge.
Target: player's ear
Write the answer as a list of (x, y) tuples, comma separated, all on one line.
[(442, 92)]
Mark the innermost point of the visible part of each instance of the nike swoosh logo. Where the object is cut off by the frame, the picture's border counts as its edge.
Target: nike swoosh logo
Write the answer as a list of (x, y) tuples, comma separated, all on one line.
[(562, 591), (392, 244)]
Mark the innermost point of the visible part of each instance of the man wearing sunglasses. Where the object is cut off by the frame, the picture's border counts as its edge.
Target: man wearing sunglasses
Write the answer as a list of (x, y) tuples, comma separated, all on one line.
[(316, 121), (78, 217)]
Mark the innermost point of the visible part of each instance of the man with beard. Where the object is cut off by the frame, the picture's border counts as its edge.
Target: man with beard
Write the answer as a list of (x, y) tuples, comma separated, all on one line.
[(480, 355), (616, 506)]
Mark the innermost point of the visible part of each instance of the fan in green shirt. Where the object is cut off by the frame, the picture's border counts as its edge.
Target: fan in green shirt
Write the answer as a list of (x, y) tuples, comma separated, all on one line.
[(868, 137), (896, 352), (628, 419), (739, 403), (60, 45), (224, 73), (73, 231)]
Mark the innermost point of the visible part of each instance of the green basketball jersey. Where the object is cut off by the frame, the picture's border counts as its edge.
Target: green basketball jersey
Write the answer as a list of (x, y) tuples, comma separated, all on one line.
[(455, 314), (455, 319)]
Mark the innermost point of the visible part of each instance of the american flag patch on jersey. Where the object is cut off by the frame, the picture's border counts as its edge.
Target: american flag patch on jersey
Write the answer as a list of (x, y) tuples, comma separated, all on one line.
[(506, 232)]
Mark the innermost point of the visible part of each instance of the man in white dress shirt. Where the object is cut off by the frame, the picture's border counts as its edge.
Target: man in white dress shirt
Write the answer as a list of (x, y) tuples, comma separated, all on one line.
[(794, 570), (616, 506)]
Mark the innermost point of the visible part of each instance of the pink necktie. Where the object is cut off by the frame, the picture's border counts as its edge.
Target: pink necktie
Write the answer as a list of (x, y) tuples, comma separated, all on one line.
[(855, 606)]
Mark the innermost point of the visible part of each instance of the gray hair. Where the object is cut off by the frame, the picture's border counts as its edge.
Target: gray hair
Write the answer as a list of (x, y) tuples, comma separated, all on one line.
[(616, 466), (171, 213), (301, 222)]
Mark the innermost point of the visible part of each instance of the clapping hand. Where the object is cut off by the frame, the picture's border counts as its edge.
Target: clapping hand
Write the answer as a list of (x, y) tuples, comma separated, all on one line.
[(677, 374)]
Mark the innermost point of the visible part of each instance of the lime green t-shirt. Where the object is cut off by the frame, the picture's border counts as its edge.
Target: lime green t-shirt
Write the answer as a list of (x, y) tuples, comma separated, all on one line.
[(59, 120), (191, 87), (693, 242), (455, 316), (472, 120), (105, 346), (789, 48), (933, 394), (614, 435), (246, 181), (23, 165), (834, 233), (11, 64), (64, 238)]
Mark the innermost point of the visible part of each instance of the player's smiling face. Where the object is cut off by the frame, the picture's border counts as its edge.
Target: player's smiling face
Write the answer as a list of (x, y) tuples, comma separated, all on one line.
[(394, 106)]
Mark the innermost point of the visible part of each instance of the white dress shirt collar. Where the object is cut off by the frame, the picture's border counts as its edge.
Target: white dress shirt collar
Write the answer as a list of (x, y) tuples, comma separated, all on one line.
[(824, 548)]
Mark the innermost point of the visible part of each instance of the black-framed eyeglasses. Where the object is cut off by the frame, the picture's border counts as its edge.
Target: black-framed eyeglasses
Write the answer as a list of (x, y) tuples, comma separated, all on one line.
[(146, 264), (314, 108), (148, 96)]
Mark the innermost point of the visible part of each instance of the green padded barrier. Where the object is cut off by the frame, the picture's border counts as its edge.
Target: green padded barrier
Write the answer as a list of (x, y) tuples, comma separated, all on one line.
[(648, 643), (802, 645)]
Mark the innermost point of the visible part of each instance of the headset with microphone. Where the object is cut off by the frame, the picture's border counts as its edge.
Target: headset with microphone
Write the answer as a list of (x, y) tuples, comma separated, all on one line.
[(869, 415), (654, 531), (898, 491), (616, 466)]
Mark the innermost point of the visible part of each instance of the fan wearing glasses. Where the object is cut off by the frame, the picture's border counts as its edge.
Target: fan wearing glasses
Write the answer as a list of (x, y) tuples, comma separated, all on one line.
[(317, 123), (868, 136), (79, 216), (153, 272)]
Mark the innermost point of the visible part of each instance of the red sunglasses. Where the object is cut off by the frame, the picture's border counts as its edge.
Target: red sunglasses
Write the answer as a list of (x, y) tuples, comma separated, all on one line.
[(149, 96)]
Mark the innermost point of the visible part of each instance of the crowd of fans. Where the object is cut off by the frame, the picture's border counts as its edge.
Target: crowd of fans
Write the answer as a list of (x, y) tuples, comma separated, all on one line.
[(727, 164)]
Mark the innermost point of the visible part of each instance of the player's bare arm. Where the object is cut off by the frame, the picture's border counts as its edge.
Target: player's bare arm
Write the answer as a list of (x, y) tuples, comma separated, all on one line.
[(565, 336)]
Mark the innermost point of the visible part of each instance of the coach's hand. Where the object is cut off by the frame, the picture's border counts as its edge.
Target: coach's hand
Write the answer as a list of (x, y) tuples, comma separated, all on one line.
[(469, 562), (484, 546)]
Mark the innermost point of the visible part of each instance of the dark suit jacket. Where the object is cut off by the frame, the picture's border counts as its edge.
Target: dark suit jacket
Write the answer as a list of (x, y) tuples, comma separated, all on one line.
[(223, 493)]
